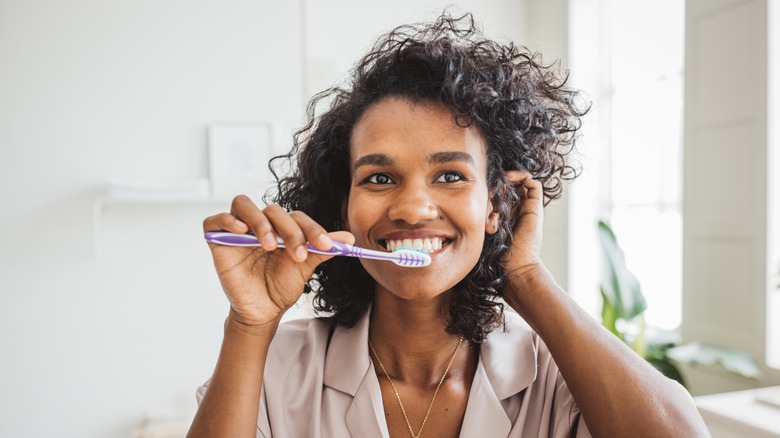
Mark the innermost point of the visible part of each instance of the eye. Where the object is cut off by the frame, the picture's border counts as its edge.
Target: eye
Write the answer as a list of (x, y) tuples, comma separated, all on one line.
[(379, 178), (450, 177)]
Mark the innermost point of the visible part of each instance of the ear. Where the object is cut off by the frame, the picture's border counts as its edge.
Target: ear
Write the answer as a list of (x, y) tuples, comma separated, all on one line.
[(493, 215), (491, 223), (344, 215)]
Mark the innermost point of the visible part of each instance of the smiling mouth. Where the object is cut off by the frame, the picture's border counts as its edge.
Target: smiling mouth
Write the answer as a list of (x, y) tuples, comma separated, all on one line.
[(429, 245)]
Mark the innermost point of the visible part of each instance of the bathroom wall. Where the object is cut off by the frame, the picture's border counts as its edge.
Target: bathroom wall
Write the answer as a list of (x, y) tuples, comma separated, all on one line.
[(104, 330)]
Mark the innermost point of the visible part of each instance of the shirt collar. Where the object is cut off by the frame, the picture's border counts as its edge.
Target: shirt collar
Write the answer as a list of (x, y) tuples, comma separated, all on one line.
[(347, 360), (508, 357)]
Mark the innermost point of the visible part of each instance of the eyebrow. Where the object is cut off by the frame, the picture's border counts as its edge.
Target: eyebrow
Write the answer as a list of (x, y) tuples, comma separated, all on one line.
[(437, 158), (447, 157), (373, 159)]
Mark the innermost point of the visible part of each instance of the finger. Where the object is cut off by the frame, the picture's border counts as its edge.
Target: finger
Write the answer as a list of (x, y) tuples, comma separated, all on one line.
[(224, 222), (532, 188), (289, 230), (313, 232), (246, 211), (519, 177), (516, 179), (516, 176), (529, 190), (342, 236)]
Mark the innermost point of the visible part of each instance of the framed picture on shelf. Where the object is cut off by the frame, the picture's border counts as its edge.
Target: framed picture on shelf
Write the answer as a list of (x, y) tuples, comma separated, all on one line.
[(238, 159)]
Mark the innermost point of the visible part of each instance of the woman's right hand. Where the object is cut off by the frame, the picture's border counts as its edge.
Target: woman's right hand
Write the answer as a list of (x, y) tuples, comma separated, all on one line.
[(261, 283)]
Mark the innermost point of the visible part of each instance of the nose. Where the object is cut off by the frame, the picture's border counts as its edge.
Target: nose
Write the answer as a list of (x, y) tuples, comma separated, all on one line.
[(413, 204)]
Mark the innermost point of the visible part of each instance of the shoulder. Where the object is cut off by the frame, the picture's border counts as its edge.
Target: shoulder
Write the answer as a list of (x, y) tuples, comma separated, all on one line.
[(509, 356), (295, 363), (515, 358), (522, 372), (514, 336), (517, 337), (302, 328), (299, 339), (296, 344), (292, 381), (297, 350)]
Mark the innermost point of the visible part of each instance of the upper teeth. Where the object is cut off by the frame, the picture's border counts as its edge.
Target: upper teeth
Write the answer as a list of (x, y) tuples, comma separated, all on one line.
[(428, 245)]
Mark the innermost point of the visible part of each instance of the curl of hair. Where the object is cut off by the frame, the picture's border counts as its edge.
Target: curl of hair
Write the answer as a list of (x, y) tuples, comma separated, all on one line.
[(528, 119)]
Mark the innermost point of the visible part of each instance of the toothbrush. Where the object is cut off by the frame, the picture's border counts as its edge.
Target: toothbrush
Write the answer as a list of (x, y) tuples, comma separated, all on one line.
[(401, 257)]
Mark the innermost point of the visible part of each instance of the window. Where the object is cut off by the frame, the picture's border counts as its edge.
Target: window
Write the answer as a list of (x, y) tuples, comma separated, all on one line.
[(629, 57)]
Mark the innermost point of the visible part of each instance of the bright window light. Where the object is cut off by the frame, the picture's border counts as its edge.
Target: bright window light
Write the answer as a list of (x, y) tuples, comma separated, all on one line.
[(629, 57)]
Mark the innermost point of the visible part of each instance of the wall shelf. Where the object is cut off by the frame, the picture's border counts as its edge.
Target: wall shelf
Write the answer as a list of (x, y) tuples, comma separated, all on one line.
[(99, 205)]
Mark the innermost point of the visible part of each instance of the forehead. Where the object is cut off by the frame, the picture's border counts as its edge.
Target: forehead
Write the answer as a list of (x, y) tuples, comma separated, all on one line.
[(402, 128)]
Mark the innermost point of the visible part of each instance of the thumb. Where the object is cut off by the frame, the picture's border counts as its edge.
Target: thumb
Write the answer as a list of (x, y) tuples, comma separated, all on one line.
[(342, 236)]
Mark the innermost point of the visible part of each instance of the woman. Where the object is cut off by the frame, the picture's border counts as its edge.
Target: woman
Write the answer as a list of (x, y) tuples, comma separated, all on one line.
[(451, 143)]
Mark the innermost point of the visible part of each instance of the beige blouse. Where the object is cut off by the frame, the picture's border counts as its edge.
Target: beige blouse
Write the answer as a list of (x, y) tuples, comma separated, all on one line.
[(313, 388)]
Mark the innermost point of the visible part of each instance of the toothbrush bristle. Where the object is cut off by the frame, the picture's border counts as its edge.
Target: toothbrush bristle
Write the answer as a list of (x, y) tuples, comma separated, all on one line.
[(417, 258), (406, 248)]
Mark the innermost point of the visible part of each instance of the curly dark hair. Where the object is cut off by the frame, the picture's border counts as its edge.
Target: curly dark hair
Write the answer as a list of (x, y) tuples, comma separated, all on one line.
[(525, 113)]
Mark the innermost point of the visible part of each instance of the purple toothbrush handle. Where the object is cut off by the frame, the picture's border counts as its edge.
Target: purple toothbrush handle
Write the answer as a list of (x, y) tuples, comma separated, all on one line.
[(402, 258), (225, 238), (230, 239)]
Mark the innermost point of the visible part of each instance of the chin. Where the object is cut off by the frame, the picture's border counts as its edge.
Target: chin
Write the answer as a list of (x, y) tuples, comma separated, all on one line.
[(414, 284)]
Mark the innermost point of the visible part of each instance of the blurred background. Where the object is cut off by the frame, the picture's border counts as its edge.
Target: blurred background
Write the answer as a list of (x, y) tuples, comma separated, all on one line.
[(120, 119)]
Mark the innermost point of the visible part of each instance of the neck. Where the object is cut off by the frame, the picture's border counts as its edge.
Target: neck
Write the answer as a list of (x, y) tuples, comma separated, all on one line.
[(411, 340)]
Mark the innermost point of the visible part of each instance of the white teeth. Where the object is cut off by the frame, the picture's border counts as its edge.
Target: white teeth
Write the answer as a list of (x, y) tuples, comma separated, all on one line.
[(428, 245)]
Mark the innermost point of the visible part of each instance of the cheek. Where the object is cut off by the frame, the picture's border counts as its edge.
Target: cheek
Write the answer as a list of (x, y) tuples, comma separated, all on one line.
[(469, 218), (360, 214), (474, 211), (473, 217)]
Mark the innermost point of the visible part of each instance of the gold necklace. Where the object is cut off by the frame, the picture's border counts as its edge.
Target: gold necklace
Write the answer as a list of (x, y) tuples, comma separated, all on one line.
[(434, 394)]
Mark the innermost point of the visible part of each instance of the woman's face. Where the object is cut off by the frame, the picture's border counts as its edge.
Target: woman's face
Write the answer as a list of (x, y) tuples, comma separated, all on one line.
[(419, 180)]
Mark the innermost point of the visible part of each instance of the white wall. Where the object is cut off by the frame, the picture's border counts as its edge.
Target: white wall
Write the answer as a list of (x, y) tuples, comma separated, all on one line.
[(339, 32), (725, 232), (91, 90)]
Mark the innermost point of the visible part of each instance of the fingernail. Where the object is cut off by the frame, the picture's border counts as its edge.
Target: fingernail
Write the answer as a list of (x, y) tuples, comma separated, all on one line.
[(301, 253), (269, 240), (324, 240)]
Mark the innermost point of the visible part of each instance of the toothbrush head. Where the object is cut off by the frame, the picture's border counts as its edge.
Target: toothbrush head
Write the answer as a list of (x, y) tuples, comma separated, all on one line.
[(411, 257)]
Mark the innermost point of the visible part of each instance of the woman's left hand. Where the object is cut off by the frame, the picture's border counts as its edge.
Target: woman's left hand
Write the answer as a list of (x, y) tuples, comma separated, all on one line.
[(529, 217)]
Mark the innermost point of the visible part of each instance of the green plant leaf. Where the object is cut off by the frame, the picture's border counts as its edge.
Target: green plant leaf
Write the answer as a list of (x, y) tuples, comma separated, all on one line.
[(619, 286), (609, 317), (732, 360), (640, 341), (623, 300)]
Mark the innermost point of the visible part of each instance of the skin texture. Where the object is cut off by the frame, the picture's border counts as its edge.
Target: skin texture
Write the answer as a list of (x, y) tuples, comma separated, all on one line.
[(416, 173)]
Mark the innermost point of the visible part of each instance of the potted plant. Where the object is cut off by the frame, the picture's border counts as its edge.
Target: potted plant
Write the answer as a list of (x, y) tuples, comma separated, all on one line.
[(622, 313)]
